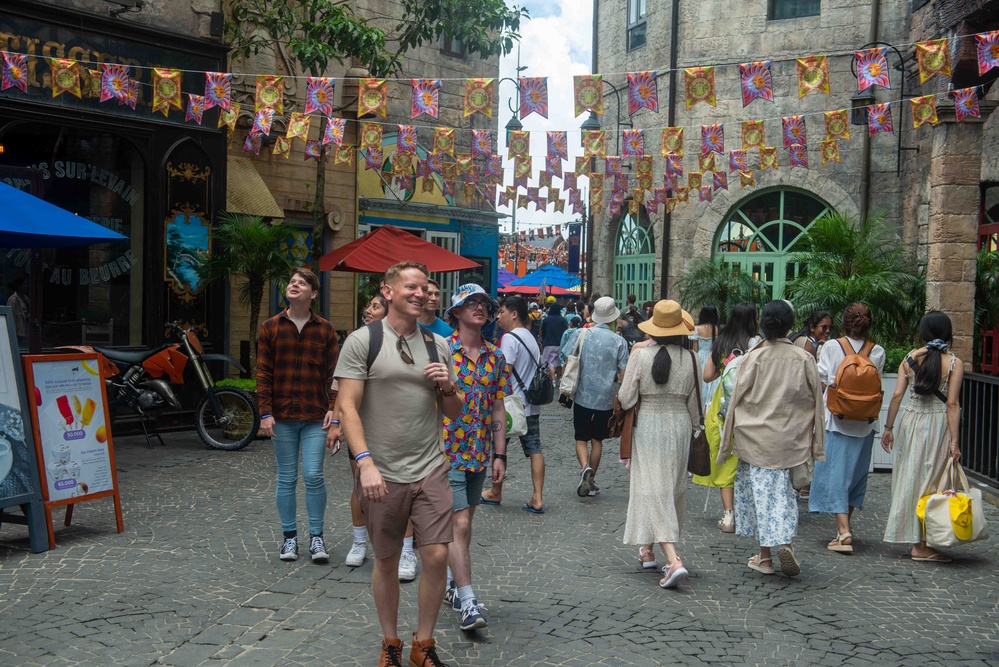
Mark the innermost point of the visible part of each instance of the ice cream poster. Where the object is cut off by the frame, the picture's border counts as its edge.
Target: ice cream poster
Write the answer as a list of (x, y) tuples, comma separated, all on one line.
[(72, 427)]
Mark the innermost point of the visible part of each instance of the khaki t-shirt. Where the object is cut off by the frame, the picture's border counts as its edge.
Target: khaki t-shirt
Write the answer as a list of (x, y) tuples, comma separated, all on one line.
[(402, 424)]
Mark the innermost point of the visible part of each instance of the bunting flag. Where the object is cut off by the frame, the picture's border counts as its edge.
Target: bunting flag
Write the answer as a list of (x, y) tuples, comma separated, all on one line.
[(672, 141), (932, 57), (15, 72), (699, 84), (813, 75), (427, 185), (612, 165), (987, 44), (837, 125), (747, 179), (344, 155), (670, 204), (282, 147), (435, 163), (479, 97), (227, 117), (569, 180), (712, 139), (643, 165), (253, 142), (594, 144), (196, 107), (90, 81), (218, 89), (694, 180), (756, 82), (597, 182), (634, 143), (319, 95), (522, 203), (924, 110), (444, 141), (966, 103), (482, 143), (504, 196), (372, 98), (521, 172), (588, 93), (879, 118), (642, 92), (448, 172), (298, 126), (262, 120), (830, 151), (682, 194), (519, 144), (404, 162), (373, 160), (872, 69), (494, 168), (737, 160), (634, 207), (705, 193), (406, 139), (720, 180), (559, 206), (674, 164), (553, 163), (334, 131), (371, 137), (426, 97), (166, 90), (533, 96), (645, 182), (131, 95), (534, 195), (799, 155), (582, 164), (706, 162), (114, 81), (312, 149), (463, 164), (66, 77), (793, 130), (270, 93), (558, 145), (768, 158), (553, 195), (753, 134)]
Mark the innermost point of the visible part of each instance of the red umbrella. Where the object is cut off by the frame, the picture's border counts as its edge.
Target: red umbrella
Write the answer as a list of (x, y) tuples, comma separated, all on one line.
[(387, 246)]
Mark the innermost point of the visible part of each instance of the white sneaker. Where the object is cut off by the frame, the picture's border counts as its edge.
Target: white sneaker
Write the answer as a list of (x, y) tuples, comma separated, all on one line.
[(358, 552), (407, 566)]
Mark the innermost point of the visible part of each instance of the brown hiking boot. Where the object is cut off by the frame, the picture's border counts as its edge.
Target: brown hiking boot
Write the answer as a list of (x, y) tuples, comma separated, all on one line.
[(424, 653), (391, 653)]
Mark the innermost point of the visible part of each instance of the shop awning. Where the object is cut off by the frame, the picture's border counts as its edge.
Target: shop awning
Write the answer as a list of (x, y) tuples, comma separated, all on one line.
[(246, 191)]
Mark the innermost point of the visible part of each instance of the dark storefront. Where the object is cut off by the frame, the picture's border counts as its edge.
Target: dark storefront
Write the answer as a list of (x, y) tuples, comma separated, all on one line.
[(157, 180)]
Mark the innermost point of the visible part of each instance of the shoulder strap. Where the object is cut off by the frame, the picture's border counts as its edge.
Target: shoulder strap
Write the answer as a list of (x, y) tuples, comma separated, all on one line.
[(866, 349), (697, 385), (843, 346), (428, 340), (524, 345), (375, 336), (914, 366)]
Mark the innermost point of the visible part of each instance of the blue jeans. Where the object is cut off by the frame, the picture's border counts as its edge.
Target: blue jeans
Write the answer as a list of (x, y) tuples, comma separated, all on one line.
[(290, 438)]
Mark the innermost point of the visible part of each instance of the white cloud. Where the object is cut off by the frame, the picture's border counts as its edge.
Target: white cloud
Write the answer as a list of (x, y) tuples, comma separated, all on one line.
[(556, 44)]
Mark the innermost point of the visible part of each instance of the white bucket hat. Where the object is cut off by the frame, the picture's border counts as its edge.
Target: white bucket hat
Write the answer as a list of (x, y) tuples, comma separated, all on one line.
[(604, 310)]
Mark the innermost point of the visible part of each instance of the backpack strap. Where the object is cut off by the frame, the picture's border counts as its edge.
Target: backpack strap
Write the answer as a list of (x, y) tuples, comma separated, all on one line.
[(915, 367), (376, 334), (428, 340), (515, 373), (866, 349)]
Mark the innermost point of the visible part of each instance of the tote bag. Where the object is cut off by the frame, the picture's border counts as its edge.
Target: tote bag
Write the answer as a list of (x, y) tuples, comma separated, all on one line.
[(516, 420), (570, 374), (954, 515)]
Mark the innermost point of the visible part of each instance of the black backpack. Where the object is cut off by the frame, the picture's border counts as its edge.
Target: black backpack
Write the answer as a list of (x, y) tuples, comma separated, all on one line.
[(377, 334), (540, 391)]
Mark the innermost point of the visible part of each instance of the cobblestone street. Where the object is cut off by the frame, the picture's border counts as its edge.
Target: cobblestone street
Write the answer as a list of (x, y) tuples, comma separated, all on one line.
[(195, 579)]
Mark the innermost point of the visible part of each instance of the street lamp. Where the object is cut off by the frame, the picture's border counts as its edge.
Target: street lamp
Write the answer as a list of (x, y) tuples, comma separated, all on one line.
[(514, 125), (591, 123)]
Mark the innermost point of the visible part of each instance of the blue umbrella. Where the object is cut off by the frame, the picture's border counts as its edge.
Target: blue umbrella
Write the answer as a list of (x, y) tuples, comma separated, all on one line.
[(504, 277), (550, 276), (29, 222)]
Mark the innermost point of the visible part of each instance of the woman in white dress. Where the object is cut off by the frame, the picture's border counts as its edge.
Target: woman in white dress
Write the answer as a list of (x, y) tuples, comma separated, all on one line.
[(664, 376)]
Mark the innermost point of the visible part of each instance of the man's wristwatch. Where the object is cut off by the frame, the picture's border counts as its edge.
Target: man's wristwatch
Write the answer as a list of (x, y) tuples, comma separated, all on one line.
[(501, 457), (450, 392)]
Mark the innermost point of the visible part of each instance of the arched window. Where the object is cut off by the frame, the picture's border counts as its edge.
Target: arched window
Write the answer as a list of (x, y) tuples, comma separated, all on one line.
[(634, 258), (762, 232)]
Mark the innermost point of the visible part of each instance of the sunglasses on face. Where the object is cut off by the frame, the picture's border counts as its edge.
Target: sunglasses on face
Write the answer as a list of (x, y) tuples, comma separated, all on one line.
[(404, 351)]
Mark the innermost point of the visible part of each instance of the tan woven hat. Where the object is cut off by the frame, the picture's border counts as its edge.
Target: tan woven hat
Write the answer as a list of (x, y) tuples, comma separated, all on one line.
[(668, 319)]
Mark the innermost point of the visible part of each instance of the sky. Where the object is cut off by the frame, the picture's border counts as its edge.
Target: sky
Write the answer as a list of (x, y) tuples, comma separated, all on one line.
[(555, 43)]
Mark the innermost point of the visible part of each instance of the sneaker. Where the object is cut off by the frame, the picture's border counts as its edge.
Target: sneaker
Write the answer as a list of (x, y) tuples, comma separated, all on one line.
[(407, 566), (358, 552), (289, 550), (318, 549), (583, 489), (594, 489), (673, 574), (391, 653), (471, 616), (424, 653), (451, 596)]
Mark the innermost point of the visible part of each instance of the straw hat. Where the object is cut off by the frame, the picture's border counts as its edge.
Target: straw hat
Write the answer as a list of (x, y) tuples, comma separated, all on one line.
[(604, 310), (668, 319)]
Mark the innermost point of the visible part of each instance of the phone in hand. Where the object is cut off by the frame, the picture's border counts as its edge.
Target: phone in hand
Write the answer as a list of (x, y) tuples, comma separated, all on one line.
[(564, 401)]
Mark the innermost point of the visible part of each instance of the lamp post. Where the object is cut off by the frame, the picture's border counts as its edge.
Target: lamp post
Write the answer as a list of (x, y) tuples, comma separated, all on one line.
[(591, 123), (514, 125)]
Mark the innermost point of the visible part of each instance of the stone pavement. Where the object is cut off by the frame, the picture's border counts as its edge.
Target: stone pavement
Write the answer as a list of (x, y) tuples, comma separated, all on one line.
[(195, 579)]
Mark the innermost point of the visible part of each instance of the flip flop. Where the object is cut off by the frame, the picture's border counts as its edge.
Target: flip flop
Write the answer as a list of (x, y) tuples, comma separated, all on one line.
[(932, 558), (491, 503), (527, 507)]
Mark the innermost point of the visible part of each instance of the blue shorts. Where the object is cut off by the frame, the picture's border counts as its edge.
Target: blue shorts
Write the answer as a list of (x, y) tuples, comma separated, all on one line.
[(466, 487), (530, 442)]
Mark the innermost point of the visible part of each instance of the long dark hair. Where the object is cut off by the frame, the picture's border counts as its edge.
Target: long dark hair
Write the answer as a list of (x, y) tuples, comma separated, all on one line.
[(662, 364), (813, 321), (934, 325), (709, 315), (776, 319), (741, 326)]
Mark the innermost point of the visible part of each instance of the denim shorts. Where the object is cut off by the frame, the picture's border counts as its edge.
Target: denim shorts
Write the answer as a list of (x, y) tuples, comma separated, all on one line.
[(466, 487), (530, 442)]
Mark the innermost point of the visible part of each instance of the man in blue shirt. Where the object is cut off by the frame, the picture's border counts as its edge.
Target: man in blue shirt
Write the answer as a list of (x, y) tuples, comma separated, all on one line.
[(428, 318), (552, 328)]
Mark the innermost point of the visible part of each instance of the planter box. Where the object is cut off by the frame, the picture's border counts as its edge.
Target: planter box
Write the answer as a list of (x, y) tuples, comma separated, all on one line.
[(880, 461)]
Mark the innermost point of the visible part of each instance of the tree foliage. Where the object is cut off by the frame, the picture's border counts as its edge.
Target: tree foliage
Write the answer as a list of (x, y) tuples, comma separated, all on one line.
[(986, 297), (706, 283), (848, 261)]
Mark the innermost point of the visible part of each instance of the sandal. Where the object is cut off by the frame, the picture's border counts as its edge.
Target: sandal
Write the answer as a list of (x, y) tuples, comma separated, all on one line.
[(934, 557), (839, 546), (758, 563), (727, 523), (789, 565), (647, 559), (674, 574)]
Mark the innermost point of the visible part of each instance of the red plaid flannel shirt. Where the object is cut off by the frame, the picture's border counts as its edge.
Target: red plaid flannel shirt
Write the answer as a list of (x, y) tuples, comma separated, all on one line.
[(295, 369)]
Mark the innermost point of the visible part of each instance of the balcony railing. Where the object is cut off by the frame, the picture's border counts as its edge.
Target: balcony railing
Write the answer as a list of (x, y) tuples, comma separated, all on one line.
[(980, 427)]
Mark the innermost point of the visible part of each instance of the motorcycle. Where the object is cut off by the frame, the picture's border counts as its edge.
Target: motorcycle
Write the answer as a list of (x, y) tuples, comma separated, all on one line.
[(225, 418)]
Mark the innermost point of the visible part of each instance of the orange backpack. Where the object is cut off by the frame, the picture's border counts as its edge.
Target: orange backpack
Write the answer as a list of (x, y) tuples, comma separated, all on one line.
[(856, 393)]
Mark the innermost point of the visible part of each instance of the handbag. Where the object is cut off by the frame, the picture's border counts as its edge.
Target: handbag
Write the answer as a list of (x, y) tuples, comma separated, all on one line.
[(801, 475), (699, 460), (516, 419), (570, 373), (622, 425), (954, 515), (540, 391)]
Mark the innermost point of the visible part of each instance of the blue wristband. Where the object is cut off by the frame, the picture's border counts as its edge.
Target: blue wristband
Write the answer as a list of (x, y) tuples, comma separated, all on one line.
[(362, 455), (265, 416), (335, 421)]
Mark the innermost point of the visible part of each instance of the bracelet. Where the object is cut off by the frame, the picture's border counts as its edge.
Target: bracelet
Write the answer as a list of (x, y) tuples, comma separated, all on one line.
[(335, 421), (266, 416), (451, 391), (362, 455), (501, 457), (889, 428)]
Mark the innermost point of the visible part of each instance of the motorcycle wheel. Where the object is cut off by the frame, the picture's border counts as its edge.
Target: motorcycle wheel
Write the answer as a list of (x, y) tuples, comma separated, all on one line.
[(237, 425)]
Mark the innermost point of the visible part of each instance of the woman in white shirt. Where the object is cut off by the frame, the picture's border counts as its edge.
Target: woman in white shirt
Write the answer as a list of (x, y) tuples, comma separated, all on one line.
[(840, 482)]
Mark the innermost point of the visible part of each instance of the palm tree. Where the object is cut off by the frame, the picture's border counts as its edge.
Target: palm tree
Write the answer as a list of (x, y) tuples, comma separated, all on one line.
[(986, 297), (848, 261), (706, 283), (251, 251)]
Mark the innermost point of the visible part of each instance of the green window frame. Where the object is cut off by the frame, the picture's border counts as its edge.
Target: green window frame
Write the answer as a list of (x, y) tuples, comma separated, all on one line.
[(634, 258)]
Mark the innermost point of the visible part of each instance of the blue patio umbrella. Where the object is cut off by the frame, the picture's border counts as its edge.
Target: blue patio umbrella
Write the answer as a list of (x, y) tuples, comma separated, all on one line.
[(504, 277), (549, 276)]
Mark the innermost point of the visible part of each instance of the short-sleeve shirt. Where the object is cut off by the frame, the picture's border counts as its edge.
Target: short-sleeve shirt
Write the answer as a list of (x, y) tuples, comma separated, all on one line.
[(441, 328), (399, 412), (601, 355), (469, 438), (831, 356), (523, 356)]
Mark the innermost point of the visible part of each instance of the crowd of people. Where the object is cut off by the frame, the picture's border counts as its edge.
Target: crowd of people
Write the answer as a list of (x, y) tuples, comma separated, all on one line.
[(789, 416)]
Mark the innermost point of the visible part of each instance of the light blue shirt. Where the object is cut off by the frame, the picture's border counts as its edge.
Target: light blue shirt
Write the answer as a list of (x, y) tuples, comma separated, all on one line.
[(441, 328), (601, 355)]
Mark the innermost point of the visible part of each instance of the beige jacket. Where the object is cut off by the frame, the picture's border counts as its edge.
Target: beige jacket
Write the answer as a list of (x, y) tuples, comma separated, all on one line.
[(776, 417)]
